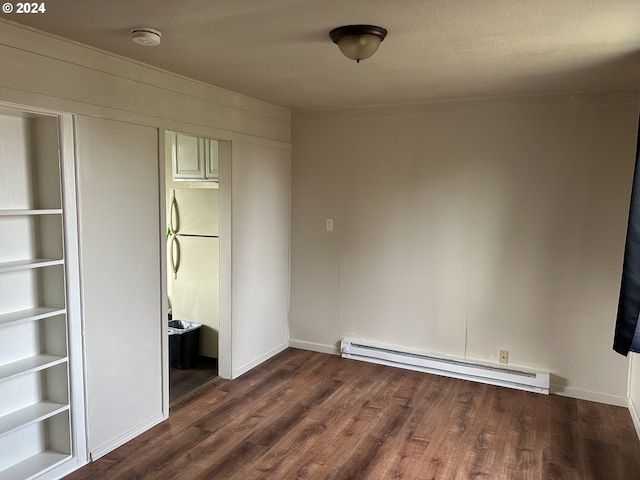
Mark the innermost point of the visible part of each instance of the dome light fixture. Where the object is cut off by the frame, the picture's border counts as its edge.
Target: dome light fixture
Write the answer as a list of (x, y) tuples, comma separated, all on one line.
[(358, 42), (145, 36)]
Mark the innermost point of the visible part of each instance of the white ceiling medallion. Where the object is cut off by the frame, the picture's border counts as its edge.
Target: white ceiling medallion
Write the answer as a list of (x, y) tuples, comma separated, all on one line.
[(149, 37)]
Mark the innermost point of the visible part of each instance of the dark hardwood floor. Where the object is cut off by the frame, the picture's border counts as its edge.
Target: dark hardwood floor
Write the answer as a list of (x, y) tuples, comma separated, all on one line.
[(305, 415), (186, 383)]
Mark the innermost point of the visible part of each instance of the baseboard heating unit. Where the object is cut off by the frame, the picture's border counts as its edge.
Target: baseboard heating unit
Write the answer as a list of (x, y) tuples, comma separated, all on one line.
[(494, 375)]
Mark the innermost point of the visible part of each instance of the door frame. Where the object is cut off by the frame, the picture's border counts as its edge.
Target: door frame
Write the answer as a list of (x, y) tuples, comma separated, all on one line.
[(224, 187)]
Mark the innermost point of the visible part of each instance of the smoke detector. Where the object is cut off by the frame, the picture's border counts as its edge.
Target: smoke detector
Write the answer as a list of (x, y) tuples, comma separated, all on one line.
[(148, 37)]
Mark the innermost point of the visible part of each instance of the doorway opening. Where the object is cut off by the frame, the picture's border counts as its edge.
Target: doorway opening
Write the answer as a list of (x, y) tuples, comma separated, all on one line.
[(193, 237)]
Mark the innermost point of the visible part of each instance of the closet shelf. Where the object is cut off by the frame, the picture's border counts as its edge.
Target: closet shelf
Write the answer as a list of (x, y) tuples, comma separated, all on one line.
[(38, 425), (30, 364), (26, 212), (29, 264), (28, 415), (29, 315), (34, 466)]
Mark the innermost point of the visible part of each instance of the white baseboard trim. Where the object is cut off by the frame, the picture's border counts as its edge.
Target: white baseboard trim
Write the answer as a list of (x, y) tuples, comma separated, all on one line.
[(120, 440), (315, 347), (235, 373), (635, 416), (608, 398)]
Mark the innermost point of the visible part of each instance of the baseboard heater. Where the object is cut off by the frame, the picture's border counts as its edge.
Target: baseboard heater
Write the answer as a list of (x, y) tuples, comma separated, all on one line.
[(494, 375)]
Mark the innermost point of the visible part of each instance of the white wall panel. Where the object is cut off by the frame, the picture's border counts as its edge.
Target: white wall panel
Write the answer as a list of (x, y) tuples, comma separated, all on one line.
[(261, 225), (464, 228), (118, 196), (634, 390), (113, 83)]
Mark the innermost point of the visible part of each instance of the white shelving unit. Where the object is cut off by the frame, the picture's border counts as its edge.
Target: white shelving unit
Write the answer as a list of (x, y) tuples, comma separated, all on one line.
[(38, 428)]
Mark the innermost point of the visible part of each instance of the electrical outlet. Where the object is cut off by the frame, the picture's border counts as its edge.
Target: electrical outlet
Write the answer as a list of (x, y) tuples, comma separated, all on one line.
[(504, 356), (329, 224)]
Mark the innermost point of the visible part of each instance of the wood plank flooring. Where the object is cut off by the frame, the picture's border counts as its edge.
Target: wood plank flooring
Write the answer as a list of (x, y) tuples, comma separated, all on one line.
[(306, 415), (185, 383)]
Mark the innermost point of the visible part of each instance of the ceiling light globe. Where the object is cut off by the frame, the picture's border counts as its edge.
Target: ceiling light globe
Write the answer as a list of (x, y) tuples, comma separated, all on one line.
[(358, 42), (358, 47)]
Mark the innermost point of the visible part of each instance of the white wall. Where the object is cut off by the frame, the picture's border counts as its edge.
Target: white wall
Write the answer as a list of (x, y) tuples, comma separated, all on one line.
[(466, 228), (45, 71), (261, 212), (634, 389)]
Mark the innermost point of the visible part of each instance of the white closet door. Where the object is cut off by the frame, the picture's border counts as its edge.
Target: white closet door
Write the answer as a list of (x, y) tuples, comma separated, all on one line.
[(120, 257)]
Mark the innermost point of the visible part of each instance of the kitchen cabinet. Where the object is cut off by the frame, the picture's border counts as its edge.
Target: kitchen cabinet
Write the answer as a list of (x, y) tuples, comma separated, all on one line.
[(37, 420), (194, 158)]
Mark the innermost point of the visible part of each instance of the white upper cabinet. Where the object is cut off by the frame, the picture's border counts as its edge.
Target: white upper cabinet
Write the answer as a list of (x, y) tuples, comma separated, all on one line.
[(194, 158), (211, 166)]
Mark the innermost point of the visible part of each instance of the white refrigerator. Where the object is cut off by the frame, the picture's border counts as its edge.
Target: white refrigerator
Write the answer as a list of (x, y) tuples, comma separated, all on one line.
[(194, 273)]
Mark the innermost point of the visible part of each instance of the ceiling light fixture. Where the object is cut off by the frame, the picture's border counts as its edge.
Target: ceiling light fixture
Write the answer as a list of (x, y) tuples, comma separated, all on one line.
[(149, 37), (358, 42)]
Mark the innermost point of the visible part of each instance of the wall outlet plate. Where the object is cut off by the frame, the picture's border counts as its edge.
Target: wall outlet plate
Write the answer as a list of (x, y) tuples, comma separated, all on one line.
[(504, 356)]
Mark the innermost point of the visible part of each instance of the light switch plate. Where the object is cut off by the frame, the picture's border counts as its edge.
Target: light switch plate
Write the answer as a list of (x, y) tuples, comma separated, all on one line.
[(329, 224)]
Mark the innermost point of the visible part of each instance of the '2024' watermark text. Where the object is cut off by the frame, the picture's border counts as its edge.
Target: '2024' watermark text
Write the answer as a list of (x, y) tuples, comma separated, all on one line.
[(19, 7)]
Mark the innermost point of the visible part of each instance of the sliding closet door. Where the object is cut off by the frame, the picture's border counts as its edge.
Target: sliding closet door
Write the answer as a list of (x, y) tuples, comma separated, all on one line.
[(120, 259)]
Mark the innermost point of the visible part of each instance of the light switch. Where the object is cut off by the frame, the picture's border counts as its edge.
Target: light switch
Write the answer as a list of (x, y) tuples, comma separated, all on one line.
[(329, 224)]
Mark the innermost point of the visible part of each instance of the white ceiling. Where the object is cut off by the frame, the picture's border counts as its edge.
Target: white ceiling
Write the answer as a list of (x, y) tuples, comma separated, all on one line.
[(279, 51)]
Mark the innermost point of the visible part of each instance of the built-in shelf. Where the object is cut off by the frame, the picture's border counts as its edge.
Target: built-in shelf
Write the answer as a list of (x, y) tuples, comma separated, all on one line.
[(29, 315), (30, 364), (37, 414), (34, 466), (21, 212), (29, 264), (28, 415)]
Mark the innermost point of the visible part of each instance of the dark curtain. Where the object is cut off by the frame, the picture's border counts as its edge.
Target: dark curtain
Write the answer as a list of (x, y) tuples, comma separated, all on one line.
[(627, 334)]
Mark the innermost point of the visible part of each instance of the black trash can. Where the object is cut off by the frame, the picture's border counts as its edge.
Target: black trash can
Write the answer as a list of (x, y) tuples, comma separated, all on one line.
[(184, 344)]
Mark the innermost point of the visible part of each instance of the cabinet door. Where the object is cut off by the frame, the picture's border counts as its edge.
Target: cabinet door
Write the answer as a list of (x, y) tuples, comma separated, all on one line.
[(188, 157), (211, 171)]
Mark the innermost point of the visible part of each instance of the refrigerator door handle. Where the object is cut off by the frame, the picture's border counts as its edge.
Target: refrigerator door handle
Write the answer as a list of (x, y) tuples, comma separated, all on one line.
[(175, 255), (174, 217)]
